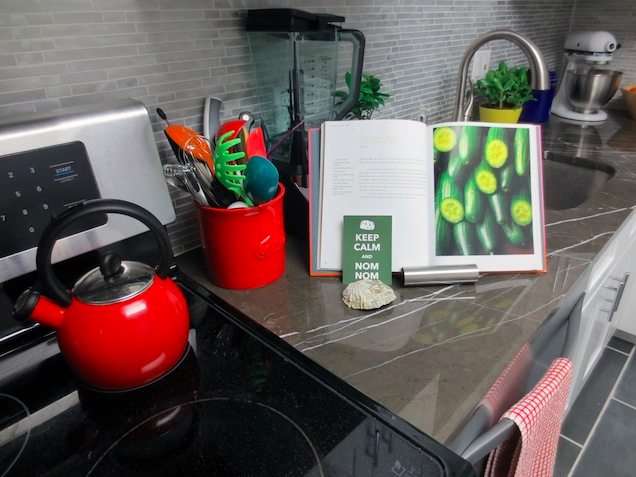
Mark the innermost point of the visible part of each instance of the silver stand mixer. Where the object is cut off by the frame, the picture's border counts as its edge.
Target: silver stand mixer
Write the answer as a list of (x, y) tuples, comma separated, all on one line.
[(584, 88)]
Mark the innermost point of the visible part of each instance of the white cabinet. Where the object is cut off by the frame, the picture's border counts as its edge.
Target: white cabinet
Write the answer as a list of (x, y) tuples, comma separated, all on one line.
[(625, 318), (606, 304)]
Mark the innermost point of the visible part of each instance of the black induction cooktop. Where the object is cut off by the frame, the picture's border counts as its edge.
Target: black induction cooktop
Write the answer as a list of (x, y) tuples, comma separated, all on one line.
[(241, 402)]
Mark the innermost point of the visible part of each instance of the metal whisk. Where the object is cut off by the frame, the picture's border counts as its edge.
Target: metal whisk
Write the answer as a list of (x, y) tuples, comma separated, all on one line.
[(181, 176)]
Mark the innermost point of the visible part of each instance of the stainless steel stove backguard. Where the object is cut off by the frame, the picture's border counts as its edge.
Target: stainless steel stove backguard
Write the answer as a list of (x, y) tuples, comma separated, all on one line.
[(52, 160)]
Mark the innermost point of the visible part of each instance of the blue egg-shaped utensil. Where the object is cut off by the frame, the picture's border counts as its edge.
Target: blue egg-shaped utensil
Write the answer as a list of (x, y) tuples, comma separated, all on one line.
[(261, 180)]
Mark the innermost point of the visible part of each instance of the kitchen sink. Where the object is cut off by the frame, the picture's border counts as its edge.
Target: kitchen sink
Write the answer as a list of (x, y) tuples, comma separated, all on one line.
[(568, 181)]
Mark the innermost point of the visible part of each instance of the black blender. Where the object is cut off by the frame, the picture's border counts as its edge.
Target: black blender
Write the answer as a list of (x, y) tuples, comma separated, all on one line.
[(296, 58)]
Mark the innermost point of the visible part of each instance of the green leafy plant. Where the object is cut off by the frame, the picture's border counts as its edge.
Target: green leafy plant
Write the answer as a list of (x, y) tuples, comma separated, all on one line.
[(505, 87), (370, 98)]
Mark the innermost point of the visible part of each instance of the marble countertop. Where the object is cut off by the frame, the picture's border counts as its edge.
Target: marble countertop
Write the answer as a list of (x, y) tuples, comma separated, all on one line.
[(431, 355)]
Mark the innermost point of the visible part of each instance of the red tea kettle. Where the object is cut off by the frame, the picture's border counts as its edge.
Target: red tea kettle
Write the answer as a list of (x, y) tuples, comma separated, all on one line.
[(124, 324)]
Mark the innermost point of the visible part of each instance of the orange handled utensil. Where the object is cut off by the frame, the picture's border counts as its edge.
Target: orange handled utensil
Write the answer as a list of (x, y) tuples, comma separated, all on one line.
[(184, 141)]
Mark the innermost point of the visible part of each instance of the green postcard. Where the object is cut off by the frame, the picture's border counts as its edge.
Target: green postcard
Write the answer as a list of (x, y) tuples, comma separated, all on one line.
[(366, 248)]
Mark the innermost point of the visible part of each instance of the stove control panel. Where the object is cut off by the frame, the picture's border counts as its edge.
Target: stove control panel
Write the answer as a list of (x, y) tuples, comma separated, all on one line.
[(54, 159), (36, 184)]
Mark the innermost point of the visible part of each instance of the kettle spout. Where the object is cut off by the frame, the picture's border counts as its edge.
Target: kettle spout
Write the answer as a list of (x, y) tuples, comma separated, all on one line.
[(31, 305)]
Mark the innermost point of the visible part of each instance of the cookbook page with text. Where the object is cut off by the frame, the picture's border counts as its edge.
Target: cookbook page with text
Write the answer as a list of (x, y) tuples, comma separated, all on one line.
[(378, 167)]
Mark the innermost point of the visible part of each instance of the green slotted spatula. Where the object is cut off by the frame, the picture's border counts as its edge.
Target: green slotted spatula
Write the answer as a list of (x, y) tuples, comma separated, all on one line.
[(226, 168)]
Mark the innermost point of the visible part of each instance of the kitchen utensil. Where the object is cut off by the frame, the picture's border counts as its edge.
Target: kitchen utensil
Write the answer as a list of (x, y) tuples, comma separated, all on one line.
[(196, 183), (176, 170), (248, 118), (196, 189), (242, 146), (261, 180), (227, 171), (211, 117), (183, 177), (201, 170), (124, 324), (174, 177), (583, 91), (184, 141), (239, 204), (198, 153), (199, 181), (218, 195), (256, 143), (177, 182), (235, 125)]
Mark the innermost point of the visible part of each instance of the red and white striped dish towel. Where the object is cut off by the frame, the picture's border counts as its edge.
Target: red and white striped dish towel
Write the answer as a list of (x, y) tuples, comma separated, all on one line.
[(510, 385), (539, 416)]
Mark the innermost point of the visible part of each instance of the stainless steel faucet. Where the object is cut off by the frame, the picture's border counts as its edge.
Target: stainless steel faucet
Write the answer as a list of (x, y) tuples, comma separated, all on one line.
[(539, 81)]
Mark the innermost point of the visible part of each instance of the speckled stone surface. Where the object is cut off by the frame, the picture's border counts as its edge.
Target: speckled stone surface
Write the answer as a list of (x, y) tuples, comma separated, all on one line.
[(432, 354)]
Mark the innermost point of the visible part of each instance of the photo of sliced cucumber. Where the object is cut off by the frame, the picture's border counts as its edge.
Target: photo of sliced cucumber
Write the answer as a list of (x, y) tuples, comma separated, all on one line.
[(444, 139), (482, 201)]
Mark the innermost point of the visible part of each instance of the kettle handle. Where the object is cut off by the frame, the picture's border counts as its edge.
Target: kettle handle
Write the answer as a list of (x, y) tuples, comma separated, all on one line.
[(52, 284), (356, 38)]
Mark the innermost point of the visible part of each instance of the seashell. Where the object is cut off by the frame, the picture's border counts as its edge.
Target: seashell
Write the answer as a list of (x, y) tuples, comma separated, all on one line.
[(367, 295)]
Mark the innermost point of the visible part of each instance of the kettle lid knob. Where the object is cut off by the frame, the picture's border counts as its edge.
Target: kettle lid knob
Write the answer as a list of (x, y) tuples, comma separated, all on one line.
[(110, 265), (113, 281)]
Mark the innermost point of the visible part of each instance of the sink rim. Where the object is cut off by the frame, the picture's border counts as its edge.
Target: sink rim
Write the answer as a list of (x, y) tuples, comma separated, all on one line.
[(579, 161), (559, 193)]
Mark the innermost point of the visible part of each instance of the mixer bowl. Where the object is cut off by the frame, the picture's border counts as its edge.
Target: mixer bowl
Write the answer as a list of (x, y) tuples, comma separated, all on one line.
[(588, 89)]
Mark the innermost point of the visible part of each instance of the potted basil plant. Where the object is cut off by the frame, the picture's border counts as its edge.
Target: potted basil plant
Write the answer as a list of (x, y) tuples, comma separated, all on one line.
[(370, 99), (505, 90)]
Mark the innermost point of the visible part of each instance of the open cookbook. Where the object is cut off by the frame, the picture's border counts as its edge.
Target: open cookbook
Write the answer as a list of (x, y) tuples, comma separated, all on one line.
[(458, 193)]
